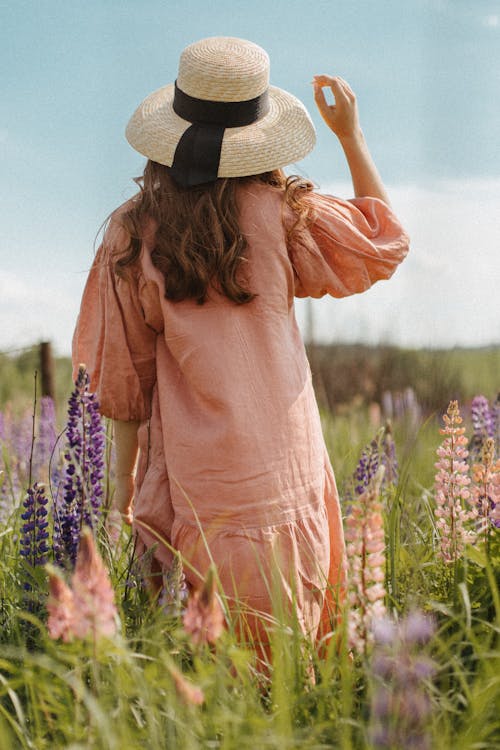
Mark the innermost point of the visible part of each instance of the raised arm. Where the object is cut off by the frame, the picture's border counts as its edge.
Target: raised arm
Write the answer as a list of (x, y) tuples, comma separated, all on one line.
[(342, 118)]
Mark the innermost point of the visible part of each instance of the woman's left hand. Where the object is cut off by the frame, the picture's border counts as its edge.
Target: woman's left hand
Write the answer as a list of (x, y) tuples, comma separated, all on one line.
[(123, 497)]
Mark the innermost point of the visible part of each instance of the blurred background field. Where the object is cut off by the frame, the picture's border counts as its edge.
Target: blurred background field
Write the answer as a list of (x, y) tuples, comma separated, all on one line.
[(345, 376), (358, 388)]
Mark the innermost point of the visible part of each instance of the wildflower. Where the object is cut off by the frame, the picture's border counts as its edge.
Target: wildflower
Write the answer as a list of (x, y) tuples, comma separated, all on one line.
[(366, 564), (84, 454), (380, 451), (93, 593), (388, 456), (495, 419), (46, 439), (15, 439), (186, 690), (486, 488), (203, 618), (403, 405), (453, 511), (87, 607), (33, 542), (174, 592), (482, 424), (60, 607), (400, 705)]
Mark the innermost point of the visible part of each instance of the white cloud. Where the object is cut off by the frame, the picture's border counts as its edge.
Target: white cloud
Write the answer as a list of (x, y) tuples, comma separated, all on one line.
[(491, 22), (446, 292), (33, 310)]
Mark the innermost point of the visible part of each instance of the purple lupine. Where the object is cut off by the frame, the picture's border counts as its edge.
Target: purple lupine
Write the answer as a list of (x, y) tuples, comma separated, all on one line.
[(380, 451), (46, 439), (368, 464), (33, 542), (20, 445), (388, 456), (400, 703), (14, 459), (84, 454), (495, 418), (482, 425)]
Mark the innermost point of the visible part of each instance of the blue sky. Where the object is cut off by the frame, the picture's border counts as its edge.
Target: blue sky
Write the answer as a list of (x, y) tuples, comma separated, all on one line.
[(427, 76)]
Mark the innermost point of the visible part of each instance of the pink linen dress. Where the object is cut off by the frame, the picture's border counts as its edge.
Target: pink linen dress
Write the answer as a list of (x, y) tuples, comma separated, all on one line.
[(233, 467)]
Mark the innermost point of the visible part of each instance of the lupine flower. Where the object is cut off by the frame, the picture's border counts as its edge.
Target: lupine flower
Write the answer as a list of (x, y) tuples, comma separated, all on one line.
[(453, 512), (93, 593), (87, 607), (174, 593), (45, 440), (365, 547), (402, 405), (485, 489), (203, 618), (84, 454), (60, 607), (186, 690), (380, 451), (400, 704), (495, 418), (33, 542), (388, 456), (482, 425), (495, 512), (15, 447)]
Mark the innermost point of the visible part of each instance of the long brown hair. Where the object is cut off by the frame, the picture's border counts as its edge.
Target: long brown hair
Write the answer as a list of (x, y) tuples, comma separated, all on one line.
[(198, 242)]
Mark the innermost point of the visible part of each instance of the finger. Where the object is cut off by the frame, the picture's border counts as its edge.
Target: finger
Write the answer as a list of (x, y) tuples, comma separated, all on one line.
[(347, 88), (323, 80), (338, 89)]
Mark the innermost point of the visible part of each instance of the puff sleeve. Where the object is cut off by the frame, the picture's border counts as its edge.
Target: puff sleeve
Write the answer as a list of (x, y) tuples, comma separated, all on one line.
[(347, 246), (113, 337)]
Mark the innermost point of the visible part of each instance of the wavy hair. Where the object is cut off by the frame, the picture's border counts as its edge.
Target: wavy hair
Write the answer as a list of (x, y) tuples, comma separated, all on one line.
[(198, 242)]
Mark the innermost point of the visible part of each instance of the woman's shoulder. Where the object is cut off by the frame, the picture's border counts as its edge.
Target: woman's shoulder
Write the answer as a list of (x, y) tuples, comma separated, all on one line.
[(259, 200)]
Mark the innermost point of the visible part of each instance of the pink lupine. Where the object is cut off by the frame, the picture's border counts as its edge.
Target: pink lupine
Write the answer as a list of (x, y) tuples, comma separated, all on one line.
[(454, 512), (60, 606), (366, 564), (203, 618), (188, 692), (486, 489), (87, 607)]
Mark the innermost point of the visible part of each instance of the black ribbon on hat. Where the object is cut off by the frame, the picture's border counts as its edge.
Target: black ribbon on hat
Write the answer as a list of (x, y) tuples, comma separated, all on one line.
[(197, 156)]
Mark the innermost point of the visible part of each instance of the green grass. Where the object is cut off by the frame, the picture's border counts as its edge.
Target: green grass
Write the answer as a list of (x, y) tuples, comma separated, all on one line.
[(119, 693)]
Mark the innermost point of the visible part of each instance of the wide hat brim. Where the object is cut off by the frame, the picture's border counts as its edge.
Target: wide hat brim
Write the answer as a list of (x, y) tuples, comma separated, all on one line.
[(283, 136)]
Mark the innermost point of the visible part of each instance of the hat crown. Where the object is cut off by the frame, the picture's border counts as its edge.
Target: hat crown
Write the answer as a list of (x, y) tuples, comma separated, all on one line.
[(223, 69)]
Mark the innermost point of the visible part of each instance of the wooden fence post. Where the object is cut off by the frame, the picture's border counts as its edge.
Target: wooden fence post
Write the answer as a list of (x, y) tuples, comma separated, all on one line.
[(47, 369)]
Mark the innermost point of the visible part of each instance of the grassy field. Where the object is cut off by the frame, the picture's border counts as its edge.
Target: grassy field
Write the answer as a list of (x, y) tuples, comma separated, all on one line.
[(343, 374), (140, 687)]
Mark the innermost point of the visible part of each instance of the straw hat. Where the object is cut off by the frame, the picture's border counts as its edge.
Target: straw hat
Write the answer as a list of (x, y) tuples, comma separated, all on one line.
[(221, 118)]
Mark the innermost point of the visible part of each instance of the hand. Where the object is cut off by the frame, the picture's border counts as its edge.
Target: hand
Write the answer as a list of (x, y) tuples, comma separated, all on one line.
[(341, 117), (123, 497)]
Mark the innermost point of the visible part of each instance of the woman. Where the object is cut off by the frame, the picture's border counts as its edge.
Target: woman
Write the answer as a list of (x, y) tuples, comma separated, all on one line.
[(187, 328)]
